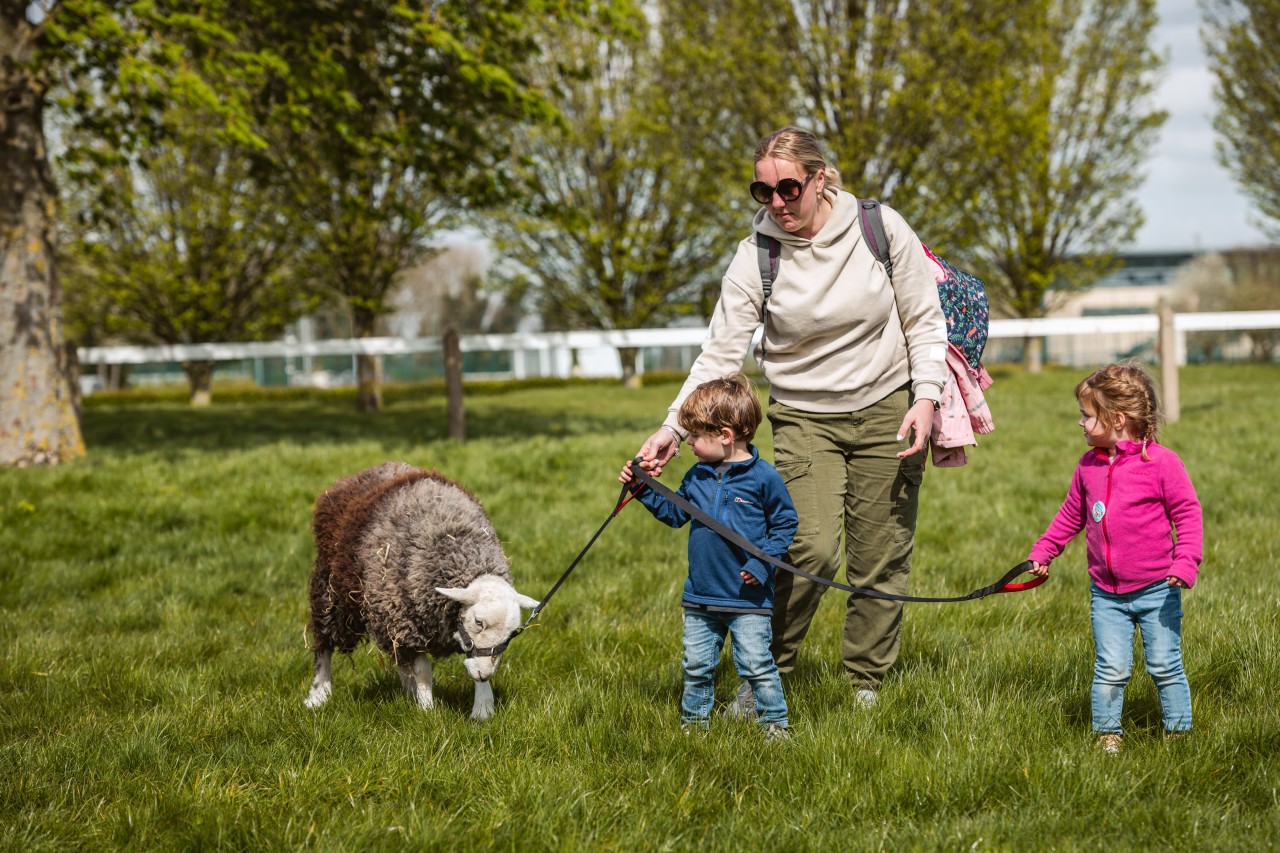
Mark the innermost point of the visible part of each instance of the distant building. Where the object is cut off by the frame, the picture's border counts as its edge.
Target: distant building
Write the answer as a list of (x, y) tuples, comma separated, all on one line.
[(1136, 287)]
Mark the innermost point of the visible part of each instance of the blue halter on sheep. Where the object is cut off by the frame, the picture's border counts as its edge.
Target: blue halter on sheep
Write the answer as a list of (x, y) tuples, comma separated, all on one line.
[(409, 559)]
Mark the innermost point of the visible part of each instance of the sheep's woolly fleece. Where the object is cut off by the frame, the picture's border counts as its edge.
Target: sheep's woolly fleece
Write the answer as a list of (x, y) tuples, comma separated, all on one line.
[(386, 538)]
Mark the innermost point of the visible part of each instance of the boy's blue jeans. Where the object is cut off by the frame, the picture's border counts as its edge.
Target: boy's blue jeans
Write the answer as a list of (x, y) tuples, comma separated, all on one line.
[(704, 635), (1157, 612)]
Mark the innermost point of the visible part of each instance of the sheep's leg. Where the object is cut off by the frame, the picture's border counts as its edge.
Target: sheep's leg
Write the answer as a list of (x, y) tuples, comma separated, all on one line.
[(483, 707), (417, 681), (322, 684)]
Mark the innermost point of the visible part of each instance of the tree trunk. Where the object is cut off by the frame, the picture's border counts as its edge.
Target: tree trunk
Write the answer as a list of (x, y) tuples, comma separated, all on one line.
[(453, 385), (1031, 353), (38, 424), (368, 367), (200, 378), (627, 356)]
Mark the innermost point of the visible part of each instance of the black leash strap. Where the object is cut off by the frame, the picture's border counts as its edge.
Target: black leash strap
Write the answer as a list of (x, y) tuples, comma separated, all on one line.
[(1005, 583), (625, 496)]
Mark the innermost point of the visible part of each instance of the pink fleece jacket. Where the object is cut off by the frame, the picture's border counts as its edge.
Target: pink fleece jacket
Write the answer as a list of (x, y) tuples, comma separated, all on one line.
[(1129, 508)]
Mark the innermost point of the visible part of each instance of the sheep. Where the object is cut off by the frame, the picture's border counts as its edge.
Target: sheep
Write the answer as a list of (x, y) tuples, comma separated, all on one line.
[(409, 559)]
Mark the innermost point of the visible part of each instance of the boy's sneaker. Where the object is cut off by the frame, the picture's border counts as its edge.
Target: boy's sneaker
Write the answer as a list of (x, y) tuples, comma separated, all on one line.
[(1110, 743), (743, 704), (776, 733), (865, 698)]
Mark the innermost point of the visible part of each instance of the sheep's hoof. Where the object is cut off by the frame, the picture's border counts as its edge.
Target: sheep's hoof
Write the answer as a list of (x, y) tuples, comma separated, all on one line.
[(318, 696)]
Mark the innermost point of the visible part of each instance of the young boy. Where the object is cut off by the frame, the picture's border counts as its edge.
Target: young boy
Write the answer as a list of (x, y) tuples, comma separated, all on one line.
[(728, 590)]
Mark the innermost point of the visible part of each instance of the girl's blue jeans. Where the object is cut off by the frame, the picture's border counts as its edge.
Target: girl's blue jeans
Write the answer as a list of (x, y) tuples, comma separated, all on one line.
[(704, 636), (1156, 610)]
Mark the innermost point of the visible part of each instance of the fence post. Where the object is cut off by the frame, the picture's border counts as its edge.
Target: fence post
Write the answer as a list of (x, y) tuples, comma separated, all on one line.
[(455, 407), (1169, 362)]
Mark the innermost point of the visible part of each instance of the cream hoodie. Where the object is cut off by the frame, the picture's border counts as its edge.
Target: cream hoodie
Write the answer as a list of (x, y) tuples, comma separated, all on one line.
[(841, 335)]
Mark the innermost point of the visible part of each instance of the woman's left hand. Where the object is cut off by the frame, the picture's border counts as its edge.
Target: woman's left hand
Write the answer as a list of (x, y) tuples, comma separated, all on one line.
[(920, 421)]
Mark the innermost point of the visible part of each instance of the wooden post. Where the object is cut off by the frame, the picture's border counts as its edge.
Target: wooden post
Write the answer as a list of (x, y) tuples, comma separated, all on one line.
[(457, 413), (1168, 363)]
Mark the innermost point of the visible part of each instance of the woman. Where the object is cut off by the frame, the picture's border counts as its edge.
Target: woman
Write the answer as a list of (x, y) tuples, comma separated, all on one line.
[(855, 366)]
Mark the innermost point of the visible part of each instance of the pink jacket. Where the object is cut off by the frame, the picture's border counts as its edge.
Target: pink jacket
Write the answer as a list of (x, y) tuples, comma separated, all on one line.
[(1129, 509), (962, 411)]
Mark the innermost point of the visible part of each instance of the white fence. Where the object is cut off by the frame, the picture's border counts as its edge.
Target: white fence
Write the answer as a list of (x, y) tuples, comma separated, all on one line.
[(595, 353)]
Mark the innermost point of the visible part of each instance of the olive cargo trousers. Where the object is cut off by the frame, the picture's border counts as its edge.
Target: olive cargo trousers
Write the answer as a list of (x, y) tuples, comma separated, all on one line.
[(845, 480)]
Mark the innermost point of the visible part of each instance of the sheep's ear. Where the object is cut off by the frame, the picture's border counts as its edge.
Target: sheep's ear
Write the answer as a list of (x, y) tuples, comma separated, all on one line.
[(526, 602), (466, 595)]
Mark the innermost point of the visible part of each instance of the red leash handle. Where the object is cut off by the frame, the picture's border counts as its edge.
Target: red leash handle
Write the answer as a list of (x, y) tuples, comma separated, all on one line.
[(1019, 587)]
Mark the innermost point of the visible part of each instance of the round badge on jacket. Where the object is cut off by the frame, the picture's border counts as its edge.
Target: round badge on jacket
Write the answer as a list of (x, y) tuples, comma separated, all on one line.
[(1099, 510)]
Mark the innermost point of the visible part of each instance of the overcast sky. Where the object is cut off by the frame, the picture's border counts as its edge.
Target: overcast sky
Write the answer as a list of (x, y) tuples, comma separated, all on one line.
[(1189, 200)]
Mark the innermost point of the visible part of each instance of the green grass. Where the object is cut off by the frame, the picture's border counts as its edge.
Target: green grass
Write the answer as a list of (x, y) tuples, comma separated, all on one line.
[(153, 663)]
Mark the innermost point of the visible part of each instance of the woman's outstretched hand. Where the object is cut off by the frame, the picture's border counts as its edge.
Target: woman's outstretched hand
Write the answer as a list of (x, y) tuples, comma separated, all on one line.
[(657, 450)]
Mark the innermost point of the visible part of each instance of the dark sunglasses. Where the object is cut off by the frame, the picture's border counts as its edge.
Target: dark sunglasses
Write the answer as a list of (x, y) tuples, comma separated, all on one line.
[(788, 188)]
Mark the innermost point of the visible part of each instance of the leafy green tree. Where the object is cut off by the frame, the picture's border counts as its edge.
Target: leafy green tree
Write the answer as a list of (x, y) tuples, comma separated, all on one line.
[(195, 245), (1240, 37), (907, 98), (1061, 167), (400, 111), (125, 48), (639, 193)]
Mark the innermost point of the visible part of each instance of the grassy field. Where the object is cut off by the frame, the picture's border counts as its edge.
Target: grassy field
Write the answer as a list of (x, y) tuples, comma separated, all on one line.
[(153, 661)]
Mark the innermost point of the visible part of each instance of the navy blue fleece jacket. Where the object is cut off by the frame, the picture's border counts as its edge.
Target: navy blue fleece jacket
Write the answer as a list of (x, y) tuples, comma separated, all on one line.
[(749, 499)]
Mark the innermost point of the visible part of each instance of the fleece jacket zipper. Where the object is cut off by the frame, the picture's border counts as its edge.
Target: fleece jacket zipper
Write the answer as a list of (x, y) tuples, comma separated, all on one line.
[(1106, 517)]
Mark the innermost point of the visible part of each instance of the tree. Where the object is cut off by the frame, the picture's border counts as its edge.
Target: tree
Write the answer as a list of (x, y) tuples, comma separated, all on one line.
[(907, 96), (400, 112), (639, 193), (1240, 38), (196, 245), (1060, 171), (39, 424), (116, 45)]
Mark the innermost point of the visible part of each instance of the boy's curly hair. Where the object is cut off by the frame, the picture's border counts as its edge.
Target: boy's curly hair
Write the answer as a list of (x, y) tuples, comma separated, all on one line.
[(727, 402)]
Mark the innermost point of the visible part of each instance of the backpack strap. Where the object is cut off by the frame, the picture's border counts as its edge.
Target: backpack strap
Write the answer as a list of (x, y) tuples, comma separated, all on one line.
[(768, 250), (873, 230)]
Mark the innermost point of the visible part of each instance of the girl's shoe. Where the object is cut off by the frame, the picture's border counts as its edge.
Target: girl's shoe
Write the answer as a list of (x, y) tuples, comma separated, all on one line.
[(1110, 743)]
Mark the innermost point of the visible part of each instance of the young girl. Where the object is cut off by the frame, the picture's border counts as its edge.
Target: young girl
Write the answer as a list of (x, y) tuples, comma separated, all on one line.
[(1129, 494)]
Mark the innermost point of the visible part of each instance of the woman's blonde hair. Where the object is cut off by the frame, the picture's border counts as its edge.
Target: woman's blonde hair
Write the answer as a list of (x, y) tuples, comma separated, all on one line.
[(1123, 389), (728, 402), (799, 146)]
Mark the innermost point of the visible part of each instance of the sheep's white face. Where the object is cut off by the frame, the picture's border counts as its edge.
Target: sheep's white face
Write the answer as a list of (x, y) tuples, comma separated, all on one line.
[(490, 618), (489, 622)]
